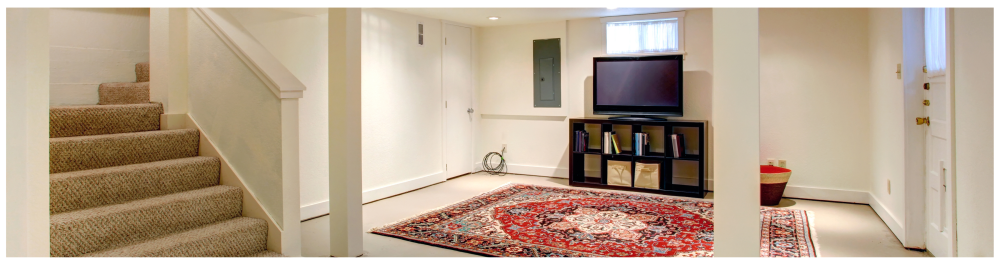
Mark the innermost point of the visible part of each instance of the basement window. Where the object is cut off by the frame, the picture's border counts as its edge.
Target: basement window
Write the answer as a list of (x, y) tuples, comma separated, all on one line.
[(661, 33)]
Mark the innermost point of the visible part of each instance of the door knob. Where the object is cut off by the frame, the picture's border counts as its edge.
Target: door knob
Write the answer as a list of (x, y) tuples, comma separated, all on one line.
[(470, 110), (923, 120)]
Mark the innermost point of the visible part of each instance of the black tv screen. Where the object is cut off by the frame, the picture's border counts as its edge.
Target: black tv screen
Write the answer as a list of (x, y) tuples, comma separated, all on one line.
[(645, 86)]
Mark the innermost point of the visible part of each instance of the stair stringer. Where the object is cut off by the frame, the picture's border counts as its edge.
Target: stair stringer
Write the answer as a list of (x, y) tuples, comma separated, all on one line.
[(251, 206)]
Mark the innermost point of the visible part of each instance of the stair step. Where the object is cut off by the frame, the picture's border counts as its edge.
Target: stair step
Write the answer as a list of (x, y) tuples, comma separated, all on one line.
[(79, 232), (70, 191), (142, 72), (110, 150), (67, 121), (123, 93), (267, 254), (237, 237)]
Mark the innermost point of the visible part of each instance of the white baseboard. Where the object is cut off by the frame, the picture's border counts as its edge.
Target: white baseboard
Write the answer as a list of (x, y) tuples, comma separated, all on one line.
[(894, 225), (314, 210), (824, 194), (323, 207), (401, 187), (557, 172)]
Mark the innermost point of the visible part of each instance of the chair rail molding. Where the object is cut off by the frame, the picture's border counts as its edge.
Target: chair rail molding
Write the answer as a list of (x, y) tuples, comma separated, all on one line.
[(275, 75)]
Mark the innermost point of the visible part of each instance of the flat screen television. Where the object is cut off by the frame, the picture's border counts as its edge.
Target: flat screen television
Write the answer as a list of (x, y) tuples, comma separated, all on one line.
[(639, 86)]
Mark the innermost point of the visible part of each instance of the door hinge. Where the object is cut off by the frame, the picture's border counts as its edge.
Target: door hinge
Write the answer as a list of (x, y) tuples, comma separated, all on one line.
[(446, 43), (927, 102), (446, 104), (925, 69), (927, 86)]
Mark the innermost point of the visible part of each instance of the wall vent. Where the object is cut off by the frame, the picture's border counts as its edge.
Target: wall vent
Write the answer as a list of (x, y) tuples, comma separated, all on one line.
[(420, 34)]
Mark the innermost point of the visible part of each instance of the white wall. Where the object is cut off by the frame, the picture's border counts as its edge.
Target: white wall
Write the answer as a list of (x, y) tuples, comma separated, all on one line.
[(401, 103), (506, 72), (536, 138), (974, 77), (298, 39), (238, 113), (886, 108), (90, 46), (27, 165), (814, 96)]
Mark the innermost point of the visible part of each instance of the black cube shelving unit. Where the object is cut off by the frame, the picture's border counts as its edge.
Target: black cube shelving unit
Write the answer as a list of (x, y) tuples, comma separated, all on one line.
[(694, 156)]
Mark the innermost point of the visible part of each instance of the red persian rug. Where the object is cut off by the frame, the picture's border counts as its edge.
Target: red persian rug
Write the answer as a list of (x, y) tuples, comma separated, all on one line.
[(521, 220)]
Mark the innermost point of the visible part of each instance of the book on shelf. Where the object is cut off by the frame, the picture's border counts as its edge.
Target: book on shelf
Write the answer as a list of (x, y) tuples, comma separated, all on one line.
[(606, 143), (677, 145), (640, 143), (614, 140), (581, 139), (577, 137)]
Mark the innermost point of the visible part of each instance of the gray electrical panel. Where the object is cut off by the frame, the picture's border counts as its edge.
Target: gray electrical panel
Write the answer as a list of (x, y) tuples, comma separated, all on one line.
[(548, 75)]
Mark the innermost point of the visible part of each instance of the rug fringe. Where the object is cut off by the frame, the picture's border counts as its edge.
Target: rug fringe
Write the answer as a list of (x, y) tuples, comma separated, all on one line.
[(814, 237), (417, 216)]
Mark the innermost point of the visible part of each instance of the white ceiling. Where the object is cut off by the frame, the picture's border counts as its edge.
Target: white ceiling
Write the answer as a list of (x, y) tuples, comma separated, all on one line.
[(514, 16)]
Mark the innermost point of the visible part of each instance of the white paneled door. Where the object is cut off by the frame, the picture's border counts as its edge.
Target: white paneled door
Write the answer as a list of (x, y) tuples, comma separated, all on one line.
[(458, 93), (939, 209)]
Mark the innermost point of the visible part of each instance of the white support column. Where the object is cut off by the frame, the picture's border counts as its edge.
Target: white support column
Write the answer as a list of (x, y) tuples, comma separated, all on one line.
[(974, 105), (345, 132), (736, 121), (291, 236), (168, 61), (27, 132)]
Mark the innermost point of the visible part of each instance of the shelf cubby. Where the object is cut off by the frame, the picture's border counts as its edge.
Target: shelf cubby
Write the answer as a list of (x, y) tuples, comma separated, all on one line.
[(660, 173)]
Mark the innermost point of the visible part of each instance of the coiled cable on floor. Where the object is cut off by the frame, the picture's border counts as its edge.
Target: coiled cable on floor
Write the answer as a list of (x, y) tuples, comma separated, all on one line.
[(498, 169)]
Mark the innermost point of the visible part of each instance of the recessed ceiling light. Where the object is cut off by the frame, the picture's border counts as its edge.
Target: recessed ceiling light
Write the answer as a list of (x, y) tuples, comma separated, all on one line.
[(612, 8), (494, 18)]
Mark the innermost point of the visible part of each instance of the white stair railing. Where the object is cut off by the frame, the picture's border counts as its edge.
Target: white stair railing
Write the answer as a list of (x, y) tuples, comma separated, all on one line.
[(288, 89)]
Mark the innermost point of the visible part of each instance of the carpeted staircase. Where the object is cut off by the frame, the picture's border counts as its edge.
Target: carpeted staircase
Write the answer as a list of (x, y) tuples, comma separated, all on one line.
[(119, 186)]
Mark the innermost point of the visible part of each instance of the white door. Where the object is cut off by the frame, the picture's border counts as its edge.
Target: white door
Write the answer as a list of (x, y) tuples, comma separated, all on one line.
[(940, 220), (457, 82)]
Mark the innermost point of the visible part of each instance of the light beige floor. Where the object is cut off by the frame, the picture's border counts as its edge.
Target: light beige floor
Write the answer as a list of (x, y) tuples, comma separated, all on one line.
[(845, 230)]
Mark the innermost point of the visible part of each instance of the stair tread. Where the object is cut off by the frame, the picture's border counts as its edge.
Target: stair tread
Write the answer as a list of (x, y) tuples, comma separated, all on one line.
[(82, 189), (123, 93), (142, 72), (237, 237), (108, 150), (83, 120), (267, 254), (78, 232)]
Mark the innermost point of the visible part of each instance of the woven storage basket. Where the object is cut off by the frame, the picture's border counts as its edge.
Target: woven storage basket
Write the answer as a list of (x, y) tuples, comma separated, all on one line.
[(772, 184)]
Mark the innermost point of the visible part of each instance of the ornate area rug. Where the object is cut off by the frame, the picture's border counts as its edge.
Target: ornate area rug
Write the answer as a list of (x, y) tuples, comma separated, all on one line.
[(522, 220)]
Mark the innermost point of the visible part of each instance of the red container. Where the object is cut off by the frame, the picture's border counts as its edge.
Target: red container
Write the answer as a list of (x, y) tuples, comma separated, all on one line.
[(772, 184)]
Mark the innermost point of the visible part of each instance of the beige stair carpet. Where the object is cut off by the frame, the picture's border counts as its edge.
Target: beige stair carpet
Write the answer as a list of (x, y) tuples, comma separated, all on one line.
[(112, 185), (119, 186), (238, 237), (109, 150), (67, 121), (123, 93), (142, 72)]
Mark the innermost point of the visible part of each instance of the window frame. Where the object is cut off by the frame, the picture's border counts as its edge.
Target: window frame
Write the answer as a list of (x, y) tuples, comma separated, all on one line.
[(679, 15)]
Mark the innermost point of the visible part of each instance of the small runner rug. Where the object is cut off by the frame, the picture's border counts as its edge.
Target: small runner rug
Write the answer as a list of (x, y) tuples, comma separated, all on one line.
[(519, 220)]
